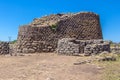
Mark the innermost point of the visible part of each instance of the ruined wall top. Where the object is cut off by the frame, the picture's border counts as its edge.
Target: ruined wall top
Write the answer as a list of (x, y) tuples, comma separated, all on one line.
[(55, 18)]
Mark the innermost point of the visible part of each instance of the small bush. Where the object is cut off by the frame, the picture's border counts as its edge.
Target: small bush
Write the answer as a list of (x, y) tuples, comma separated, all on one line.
[(13, 42), (54, 26)]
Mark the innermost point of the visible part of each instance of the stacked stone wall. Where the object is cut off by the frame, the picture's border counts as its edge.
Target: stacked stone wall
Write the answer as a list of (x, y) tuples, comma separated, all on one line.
[(82, 26), (4, 48), (36, 39), (67, 46), (70, 46)]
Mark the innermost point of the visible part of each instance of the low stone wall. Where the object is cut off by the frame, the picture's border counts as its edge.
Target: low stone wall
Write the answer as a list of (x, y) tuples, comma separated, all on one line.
[(68, 47), (115, 50), (96, 48), (71, 46), (4, 48), (13, 49)]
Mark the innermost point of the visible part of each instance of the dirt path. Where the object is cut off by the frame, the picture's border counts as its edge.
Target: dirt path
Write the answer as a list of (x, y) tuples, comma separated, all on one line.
[(46, 67)]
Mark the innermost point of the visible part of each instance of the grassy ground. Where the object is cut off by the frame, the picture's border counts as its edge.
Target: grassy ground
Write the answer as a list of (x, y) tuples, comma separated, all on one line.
[(111, 69)]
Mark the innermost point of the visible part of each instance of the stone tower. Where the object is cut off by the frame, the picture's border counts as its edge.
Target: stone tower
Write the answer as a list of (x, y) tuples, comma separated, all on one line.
[(42, 34)]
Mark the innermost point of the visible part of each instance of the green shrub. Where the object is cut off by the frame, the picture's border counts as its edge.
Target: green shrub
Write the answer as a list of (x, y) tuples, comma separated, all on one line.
[(13, 42), (54, 26)]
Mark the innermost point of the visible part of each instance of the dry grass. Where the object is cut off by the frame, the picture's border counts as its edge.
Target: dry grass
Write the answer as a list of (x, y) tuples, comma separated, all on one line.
[(111, 69)]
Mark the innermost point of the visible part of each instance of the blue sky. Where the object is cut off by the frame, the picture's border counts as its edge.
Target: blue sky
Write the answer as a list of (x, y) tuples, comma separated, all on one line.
[(14, 13)]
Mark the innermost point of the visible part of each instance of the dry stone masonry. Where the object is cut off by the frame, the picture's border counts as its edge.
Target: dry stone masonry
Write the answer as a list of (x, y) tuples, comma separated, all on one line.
[(67, 46), (68, 34), (4, 48), (71, 46), (115, 49), (42, 34)]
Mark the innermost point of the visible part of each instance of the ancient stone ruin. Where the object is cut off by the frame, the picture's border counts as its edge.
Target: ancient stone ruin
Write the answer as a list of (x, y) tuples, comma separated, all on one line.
[(68, 34), (42, 34)]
